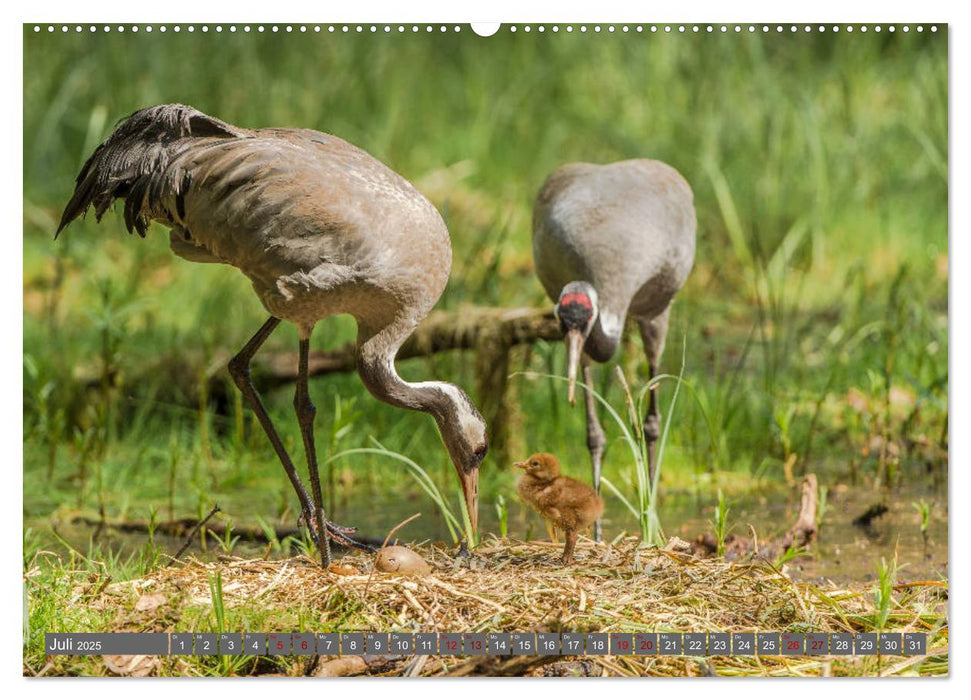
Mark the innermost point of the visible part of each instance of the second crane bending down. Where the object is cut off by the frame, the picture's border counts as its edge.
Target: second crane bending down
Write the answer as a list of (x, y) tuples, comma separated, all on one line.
[(612, 241)]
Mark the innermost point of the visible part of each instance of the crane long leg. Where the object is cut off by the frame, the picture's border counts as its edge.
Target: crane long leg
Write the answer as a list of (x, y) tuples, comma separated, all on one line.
[(653, 333), (306, 412), (239, 368), (596, 441)]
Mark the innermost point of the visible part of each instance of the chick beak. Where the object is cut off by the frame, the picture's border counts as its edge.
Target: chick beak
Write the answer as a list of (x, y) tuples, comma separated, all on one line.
[(520, 465), (574, 346)]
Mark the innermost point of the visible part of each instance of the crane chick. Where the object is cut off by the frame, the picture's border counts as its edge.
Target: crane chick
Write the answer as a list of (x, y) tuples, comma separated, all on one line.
[(569, 504)]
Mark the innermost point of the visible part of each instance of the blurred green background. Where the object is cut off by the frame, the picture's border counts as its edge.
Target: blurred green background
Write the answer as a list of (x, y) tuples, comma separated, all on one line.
[(813, 327)]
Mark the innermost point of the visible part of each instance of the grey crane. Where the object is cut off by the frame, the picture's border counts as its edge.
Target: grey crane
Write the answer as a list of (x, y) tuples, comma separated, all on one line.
[(320, 228), (612, 241)]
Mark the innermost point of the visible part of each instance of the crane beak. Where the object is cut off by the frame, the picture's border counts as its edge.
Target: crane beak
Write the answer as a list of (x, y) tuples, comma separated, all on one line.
[(520, 465), (574, 346), (470, 489)]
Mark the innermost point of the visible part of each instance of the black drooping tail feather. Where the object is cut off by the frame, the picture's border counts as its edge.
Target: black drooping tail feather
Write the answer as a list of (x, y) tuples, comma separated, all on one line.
[(131, 163)]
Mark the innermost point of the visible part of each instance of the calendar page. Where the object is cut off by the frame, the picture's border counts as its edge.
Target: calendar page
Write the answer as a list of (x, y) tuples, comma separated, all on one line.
[(545, 349)]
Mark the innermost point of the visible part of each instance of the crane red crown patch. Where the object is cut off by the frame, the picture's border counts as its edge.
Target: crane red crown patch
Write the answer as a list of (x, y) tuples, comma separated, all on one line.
[(576, 298)]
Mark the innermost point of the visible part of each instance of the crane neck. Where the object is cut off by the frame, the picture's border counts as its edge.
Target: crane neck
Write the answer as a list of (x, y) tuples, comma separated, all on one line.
[(604, 337), (376, 353)]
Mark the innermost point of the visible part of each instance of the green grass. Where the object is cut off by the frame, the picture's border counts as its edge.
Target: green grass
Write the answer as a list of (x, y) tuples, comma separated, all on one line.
[(820, 172)]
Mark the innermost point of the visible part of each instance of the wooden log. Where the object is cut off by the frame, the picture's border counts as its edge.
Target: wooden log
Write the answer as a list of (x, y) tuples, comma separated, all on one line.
[(441, 331)]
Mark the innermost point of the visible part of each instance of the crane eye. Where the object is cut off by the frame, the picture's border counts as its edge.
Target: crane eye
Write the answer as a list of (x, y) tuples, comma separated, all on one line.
[(534, 463)]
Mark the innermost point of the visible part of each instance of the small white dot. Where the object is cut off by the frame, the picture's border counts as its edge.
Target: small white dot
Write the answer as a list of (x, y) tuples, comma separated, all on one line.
[(709, 29), (526, 29), (429, 28), (191, 28), (92, 28), (836, 29), (906, 28), (260, 28), (317, 28), (681, 28), (36, 28), (290, 29), (459, 29), (373, 29), (724, 29), (778, 28), (626, 28), (610, 28), (849, 28), (303, 29), (640, 29), (246, 28), (876, 28), (920, 27), (653, 29), (219, 29), (77, 28), (163, 29), (667, 28), (178, 29), (106, 28), (414, 29), (400, 28), (134, 29), (583, 28), (792, 28), (934, 28), (596, 29), (344, 29), (148, 28), (555, 29), (569, 29), (863, 29), (737, 29), (386, 29)]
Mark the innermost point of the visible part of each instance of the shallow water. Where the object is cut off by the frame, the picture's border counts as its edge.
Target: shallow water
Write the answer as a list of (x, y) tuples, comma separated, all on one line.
[(844, 553)]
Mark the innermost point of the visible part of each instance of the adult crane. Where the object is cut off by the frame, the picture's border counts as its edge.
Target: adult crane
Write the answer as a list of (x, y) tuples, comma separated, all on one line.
[(321, 228), (612, 241)]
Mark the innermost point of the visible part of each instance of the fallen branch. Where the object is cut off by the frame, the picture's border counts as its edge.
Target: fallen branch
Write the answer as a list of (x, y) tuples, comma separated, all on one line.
[(441, 331), (192, 535), (800, 534), (182, 526)]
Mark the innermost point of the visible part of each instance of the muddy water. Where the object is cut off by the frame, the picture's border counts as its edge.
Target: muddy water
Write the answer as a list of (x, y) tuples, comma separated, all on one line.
[(844, 553)]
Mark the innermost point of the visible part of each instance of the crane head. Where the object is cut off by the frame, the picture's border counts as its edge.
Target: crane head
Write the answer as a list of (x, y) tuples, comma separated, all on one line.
[(576, 310)]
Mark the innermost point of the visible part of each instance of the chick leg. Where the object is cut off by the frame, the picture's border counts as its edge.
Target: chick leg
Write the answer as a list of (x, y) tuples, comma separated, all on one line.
[(653, 333), (571, 543), (596, 440)]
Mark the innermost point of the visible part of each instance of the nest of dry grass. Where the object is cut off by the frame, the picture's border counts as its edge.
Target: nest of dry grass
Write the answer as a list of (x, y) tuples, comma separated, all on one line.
[(623, 586)]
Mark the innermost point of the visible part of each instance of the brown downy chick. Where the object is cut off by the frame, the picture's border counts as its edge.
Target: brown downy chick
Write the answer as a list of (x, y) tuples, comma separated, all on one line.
[(569, 504)]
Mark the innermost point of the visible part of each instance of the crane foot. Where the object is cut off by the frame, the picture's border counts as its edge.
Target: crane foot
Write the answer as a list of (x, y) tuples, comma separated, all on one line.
[(337, 533)]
